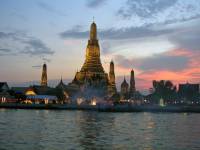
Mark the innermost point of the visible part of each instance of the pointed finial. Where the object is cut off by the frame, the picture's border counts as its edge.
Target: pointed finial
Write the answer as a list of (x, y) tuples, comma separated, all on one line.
[(93, 18)]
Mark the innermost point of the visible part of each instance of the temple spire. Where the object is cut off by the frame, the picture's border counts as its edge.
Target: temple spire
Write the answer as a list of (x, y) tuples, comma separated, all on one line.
[(93, 31), (132, 82), (44, 75), (112, 87)]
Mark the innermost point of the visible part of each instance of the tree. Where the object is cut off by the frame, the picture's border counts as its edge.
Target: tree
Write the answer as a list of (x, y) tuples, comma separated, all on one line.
[(164, 89)]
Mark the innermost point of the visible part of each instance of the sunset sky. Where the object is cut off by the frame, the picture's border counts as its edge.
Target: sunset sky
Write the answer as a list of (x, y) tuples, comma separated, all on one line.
[(159, 39)]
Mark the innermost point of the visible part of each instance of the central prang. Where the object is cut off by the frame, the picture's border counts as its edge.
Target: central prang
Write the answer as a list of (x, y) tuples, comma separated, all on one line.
[(92, 75)]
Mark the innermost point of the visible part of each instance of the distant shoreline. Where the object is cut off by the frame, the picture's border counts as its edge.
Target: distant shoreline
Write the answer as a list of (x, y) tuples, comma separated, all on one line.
[(99, 108)]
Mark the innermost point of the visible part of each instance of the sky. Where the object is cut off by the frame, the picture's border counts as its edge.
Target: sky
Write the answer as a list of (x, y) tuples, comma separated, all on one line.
[(159, 39)]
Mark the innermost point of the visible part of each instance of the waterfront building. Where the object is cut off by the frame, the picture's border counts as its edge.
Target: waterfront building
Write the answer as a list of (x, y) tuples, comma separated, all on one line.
[(188, 87), (30, 91), (44, 75), (62, 92), (4, 86), (41, 99), (189, 92), (91, 79), (4, 92)]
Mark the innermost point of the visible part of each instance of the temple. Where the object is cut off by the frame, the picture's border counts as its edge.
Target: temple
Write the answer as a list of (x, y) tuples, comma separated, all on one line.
[(92, 75)]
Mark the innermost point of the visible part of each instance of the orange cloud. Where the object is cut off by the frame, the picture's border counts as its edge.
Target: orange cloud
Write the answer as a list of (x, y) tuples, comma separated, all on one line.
[(191, 73)]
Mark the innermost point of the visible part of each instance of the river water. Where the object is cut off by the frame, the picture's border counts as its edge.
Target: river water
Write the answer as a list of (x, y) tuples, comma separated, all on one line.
[(61, 129)]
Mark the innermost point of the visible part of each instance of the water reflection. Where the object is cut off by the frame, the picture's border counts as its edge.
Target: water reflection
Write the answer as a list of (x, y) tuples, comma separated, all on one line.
[(48, 129), (93, 128)]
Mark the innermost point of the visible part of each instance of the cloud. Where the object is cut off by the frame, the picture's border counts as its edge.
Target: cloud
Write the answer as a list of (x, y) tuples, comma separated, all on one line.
[(187, 39), (177, 65), (144, 8), (159, 11), (4, 50), (50, 8), (37, 66), (46, 59), (36, 47), (16, 13), (95, 3), (161, 61), (22, 43), (4, 35), (123, 33)]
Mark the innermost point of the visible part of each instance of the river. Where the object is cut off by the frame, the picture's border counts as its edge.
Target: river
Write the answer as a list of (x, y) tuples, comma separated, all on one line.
[(62, 129)]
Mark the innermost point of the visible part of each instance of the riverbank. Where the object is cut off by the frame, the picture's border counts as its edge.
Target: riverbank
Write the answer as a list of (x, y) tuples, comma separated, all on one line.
[(104, 108)]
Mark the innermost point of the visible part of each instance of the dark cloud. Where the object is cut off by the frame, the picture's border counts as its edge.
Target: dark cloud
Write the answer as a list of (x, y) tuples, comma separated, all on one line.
[(5, 50), (144, 8), (95, 3), (36, 47), (28, 44), (37, 66), (123, 33), (50, 8), (159, 11), (164, 62), (161, 61), (4, 35), (188, 39)]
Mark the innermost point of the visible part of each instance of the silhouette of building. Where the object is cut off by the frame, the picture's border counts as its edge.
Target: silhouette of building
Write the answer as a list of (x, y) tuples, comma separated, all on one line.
[(124, 87), (4, 87), (189, 92), (132, 89), (4, 94), (44, 75), (112, 86), (188, 87), (61, 85)]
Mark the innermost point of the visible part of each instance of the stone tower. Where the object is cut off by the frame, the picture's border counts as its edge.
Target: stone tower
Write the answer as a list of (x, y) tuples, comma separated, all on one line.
[(132, 83), (112, 87), (92, 61), (92, 73), (44, 75)]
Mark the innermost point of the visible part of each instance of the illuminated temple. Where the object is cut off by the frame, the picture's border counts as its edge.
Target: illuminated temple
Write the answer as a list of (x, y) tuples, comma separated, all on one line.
[(92, 76)]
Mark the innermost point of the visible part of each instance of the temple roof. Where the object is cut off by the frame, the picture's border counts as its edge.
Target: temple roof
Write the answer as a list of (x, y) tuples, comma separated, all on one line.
[(124, 83), (61, 84)]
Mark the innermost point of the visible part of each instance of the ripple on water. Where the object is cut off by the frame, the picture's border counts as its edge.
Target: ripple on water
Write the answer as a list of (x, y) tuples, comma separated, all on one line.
[(49, 129)]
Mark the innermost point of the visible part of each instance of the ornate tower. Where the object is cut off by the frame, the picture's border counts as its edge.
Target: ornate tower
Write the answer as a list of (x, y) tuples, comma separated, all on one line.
[(92, 60), (112, 87), (44, 75), (132, 83), (92, 74)]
